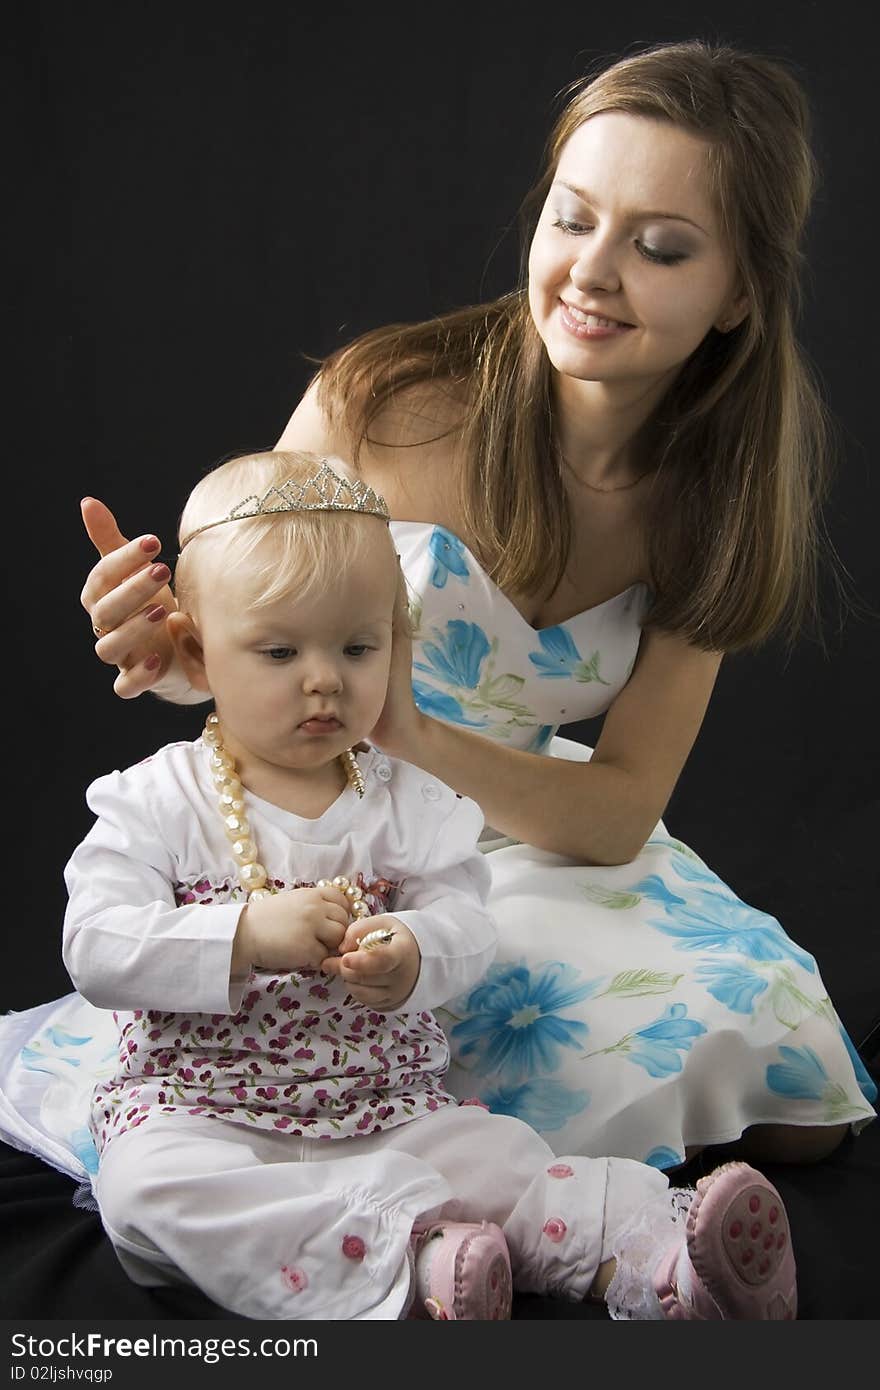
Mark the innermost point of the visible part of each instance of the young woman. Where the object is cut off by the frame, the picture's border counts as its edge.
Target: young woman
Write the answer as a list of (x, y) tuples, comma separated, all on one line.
[(599, 484)]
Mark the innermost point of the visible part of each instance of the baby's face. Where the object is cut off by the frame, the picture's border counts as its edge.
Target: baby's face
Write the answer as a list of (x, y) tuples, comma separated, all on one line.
[(298, 681)]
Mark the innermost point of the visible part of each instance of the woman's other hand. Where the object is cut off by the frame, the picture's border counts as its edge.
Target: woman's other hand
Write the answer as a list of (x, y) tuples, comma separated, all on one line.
[(398, 729), (127, 598)]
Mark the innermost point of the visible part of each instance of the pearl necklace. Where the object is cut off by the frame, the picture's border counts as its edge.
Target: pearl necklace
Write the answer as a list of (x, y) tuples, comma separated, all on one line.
[(252, 874)]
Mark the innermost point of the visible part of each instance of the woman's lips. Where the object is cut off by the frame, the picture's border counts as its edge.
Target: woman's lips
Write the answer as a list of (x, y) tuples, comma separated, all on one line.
[(317, 725), (592, 326)]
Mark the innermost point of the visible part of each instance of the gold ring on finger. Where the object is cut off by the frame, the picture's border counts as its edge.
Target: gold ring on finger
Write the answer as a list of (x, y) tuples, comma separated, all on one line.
[(99, 631)]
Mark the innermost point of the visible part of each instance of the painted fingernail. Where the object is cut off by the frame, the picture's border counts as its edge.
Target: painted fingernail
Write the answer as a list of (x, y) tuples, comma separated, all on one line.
[(152, 661), (156, 614), (149, 544), (160, 572)]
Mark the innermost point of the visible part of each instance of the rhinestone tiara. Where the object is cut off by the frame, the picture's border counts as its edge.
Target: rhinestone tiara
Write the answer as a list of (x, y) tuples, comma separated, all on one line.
[(324, 491)]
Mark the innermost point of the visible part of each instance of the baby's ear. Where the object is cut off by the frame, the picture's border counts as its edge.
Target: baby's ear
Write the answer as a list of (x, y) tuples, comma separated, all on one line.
[(188, 648)]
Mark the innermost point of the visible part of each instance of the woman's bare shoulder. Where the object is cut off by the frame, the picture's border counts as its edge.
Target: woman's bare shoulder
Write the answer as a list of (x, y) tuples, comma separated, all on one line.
[(411, 448)]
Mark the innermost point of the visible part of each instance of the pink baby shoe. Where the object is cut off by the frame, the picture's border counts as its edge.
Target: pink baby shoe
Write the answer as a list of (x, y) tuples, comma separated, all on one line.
[(736, 1260), (462, 1272)]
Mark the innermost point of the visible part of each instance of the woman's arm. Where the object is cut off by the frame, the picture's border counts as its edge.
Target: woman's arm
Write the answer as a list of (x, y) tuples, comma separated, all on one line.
[(311, 430), (600, 812)]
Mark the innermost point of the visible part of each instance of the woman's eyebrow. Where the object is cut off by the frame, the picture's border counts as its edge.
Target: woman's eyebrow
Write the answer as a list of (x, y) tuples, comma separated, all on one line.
[(639, 212)]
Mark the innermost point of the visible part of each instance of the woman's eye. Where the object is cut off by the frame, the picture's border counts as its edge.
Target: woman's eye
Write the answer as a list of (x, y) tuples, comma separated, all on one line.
[(565, 224), (653, 253)]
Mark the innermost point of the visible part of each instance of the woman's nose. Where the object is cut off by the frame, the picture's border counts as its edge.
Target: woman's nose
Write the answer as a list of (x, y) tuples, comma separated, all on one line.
[(596, 266)]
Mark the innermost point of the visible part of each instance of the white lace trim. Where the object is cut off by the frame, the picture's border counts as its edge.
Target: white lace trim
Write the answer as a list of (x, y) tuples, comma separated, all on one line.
[(84, 1197), (637, 1248)]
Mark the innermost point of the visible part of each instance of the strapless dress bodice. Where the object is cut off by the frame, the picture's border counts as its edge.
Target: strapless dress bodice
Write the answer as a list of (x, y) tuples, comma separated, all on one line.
[(478, 663)]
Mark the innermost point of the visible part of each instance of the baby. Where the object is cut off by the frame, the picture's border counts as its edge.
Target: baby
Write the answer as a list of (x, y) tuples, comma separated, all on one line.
[(272, 911)]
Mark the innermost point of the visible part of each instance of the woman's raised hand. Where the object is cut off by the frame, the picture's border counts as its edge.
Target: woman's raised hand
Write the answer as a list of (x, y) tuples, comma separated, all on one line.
[(127, 598), (398, 730)]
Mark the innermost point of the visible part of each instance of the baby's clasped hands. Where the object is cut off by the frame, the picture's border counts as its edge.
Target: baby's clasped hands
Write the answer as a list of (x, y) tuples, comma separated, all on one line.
[(381, 971)]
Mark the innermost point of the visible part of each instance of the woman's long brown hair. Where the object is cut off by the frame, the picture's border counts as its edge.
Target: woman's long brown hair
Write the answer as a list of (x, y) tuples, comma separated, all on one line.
[(738, 446)]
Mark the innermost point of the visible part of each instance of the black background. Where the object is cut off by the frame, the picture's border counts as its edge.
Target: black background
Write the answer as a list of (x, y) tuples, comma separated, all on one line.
[(204, 195)]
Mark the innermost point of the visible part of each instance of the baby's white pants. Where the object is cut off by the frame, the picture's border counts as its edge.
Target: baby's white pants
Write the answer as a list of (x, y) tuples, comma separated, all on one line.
[(271, 1226)]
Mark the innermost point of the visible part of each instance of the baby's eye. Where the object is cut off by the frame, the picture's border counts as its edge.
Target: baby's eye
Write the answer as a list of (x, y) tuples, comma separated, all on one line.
[(357, 649), (280, 653)]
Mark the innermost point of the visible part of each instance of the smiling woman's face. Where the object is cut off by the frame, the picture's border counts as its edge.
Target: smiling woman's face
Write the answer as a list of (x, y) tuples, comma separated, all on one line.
[(627, 269)]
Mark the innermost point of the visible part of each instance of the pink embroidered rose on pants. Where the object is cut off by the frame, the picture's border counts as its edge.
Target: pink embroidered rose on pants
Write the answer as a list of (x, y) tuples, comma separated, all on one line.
[(555, 1229), (294, 1279)]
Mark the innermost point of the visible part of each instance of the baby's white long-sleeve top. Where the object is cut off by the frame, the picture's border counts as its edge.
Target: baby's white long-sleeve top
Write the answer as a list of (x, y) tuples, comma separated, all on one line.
[(153, 906), (153, 895)]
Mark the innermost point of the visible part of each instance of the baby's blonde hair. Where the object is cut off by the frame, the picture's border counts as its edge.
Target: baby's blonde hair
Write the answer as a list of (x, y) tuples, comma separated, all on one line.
[(275, 554)]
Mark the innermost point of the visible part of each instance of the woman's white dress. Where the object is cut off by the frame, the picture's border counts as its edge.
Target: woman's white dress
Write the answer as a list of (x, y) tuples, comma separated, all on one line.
[(633, 1010)]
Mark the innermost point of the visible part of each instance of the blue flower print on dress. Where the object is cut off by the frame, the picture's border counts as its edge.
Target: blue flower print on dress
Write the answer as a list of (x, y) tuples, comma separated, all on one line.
[(867, 1086), (716, 923), (693, 870), (561, 660), (457, 656), (511, 1022), (60, 1037), (541, 738), (733, 985), (83, 1146), (544, 1105), (656, 1047), (449, 557), (663, 1157), (48, 1049), (657, 890), (461, 658), (802, 1075), (445, 707), (38, 1061)]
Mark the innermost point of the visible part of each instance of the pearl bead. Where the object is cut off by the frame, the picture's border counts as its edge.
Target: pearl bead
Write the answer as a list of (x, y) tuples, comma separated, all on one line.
[(212, 737), (220, 759), (237, 827), (245, 851), (253, 875), (256, 894), (361, 908), (353, 891), (323, 883), (340, 881), (225, 779), (232, 804)]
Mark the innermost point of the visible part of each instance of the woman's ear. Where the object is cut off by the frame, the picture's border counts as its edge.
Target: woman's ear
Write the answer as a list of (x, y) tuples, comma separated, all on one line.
[(188, 649), (734, 313)]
